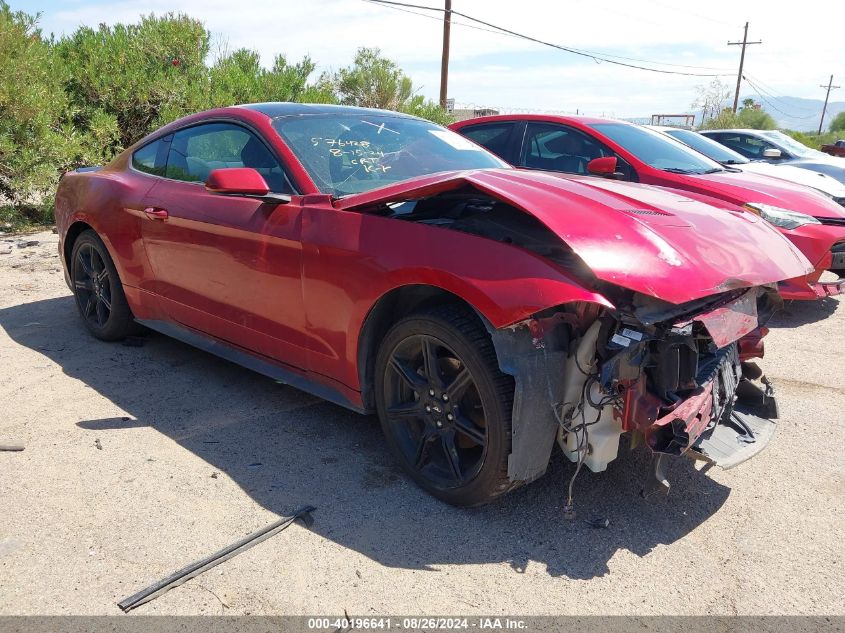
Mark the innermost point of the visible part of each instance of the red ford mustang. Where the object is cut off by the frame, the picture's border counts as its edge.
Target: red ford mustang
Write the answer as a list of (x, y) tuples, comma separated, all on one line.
[(811, 220), (390, 265)]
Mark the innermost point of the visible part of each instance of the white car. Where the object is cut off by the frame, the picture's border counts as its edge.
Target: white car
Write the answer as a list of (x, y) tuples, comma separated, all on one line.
[(729, 158), (773, 146)]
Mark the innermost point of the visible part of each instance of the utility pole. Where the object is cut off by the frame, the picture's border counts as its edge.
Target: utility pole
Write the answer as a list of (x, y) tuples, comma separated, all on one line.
[(829, 87), (444, 62), (743, 43)]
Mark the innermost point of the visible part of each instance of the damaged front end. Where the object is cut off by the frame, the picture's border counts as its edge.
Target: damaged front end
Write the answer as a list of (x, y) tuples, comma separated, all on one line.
[(677, 378)]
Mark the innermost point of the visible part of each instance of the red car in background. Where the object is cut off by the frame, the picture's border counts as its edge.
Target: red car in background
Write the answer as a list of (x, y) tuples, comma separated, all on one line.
[(584, 145), (389, 265)]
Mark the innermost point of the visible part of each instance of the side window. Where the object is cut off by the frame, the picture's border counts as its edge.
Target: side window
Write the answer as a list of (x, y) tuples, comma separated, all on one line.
[(554, 147), (747, 145), (494, 136), (196, 151), (145, 158), (734, 142)]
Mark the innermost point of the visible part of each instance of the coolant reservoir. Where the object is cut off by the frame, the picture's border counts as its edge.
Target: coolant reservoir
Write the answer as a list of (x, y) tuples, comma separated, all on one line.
[(602, 437)]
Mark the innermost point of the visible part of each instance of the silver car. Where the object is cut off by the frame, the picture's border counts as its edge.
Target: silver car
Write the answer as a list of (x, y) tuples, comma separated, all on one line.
[(776, 147)]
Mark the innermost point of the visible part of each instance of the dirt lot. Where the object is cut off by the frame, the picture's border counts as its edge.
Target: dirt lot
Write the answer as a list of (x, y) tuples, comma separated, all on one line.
[(139, 460)]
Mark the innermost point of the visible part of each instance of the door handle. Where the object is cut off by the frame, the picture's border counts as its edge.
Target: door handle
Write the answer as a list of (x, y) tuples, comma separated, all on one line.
[(156, 213)]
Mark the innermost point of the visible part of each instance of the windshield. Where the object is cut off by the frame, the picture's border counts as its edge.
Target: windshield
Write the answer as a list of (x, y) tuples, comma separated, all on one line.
[(799, 149), (657, 151), (708, 147), (353, 153)]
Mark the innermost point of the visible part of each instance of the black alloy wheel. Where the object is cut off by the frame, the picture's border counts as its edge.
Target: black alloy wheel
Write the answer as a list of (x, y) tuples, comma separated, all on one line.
[(445, 406), (92, 285), (97, 289)]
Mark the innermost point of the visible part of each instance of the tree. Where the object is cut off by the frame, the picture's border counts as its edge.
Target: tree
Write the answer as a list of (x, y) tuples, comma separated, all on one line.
[(750, 118), (38, 139), (141, 74), (373, 81), (239, 78), (711, 98), (838, 123)]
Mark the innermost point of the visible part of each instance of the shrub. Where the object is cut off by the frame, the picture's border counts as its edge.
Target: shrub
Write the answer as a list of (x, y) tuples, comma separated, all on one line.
[(373, 81), (34, 141)]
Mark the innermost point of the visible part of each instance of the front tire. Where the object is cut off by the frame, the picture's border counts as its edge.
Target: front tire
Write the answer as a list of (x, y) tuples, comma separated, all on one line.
[(444, 405), (97, 289)]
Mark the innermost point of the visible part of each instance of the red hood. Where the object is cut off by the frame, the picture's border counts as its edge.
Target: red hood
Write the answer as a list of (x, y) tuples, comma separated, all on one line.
[(749, 187), (671, 247)]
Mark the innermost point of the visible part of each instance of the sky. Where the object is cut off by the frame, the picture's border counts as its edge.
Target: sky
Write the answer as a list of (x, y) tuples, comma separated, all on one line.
[(799, 51)]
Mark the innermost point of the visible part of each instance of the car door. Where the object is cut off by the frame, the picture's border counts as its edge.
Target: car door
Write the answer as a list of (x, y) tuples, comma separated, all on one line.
[(561, 148), (228, 266)]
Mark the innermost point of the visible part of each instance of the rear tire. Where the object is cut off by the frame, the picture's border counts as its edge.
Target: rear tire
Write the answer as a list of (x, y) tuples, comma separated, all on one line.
[(98, 291), (444, 405)]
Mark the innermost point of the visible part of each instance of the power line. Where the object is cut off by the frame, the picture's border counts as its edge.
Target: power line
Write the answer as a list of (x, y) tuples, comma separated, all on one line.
[(766, 89), (597, 57), (436, 19), (773, 106)]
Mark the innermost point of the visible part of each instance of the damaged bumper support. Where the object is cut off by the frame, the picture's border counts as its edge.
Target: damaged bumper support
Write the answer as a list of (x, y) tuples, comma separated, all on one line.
[(811, 287), (585, 375)]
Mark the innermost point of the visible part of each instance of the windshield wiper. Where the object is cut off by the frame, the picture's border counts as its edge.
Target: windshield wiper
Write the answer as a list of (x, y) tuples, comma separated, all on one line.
[(732, 161), (678, 170), (713, 171)]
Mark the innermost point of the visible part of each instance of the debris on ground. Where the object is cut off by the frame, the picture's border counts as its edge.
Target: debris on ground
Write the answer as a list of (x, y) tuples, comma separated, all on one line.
[(200, 566), (598, 522), (28, 243), (11, 447), (215, 474), (97, 444)]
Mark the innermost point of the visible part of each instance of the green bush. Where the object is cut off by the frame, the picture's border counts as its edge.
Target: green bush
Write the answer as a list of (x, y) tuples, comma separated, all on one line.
[(139, 74), (373, 81), (34, 141), (838, 123), (747, 117)]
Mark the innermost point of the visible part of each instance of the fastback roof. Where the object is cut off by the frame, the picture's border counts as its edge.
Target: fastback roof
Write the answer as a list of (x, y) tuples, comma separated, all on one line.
[(280, 109)]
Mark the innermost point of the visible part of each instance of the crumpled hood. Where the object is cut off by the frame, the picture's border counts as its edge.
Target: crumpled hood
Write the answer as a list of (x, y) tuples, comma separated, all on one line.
[(652, 240), (752, 187)]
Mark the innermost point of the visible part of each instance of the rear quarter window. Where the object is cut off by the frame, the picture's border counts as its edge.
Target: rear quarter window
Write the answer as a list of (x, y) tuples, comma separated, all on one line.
[(145, 159), (493, 136)]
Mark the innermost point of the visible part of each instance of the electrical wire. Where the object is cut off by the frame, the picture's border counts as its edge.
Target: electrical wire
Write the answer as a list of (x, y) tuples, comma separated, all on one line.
[(773, 106), (596, 57)]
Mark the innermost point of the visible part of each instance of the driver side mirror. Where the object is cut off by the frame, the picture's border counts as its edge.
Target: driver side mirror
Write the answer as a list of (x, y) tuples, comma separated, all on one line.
[(234, 181), (242, 181), (772, 152), (605, 167)]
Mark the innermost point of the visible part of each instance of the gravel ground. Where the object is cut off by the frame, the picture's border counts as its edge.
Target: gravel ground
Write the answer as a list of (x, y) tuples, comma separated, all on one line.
[(139, 460)]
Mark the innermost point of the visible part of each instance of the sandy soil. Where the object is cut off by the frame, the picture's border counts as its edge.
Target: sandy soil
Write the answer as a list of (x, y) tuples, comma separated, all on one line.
[(139, 460)]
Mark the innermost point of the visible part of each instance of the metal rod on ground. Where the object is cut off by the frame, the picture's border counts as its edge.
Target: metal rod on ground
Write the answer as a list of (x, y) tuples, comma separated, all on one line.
[(829, 87), (195, 569), (11, 447)]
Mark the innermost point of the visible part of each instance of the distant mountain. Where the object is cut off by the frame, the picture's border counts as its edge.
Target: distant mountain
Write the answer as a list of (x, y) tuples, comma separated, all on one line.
[(799, 114)]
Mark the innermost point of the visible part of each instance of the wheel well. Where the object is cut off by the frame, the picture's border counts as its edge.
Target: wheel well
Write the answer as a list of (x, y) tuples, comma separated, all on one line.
[(70, 238), (389, 309)]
